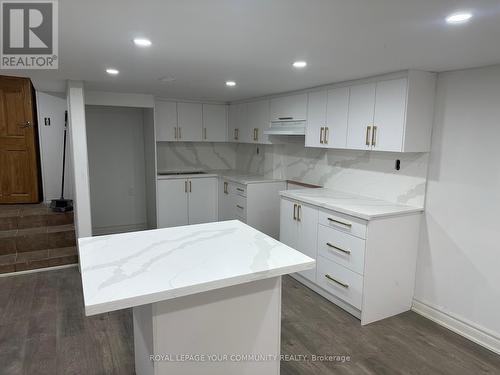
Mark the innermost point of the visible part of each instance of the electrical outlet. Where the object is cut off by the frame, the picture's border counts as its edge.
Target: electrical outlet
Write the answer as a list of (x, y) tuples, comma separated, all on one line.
[(46, 121)]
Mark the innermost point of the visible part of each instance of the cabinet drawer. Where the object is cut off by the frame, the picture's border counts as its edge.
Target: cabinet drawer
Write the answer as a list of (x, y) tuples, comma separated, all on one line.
[(342, 222), (240, 206), (340, 281), (240, 189), (343, 248)]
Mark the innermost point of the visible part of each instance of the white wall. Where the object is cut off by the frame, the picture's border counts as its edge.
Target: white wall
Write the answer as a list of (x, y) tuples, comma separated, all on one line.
[(53, 106), (117, 168), (458, 274), (78, 145)]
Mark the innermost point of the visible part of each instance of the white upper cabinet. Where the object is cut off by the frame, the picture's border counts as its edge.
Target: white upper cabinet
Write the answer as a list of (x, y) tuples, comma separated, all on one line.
[(166, 121), (289, 108), (327, 118), (258, 121), (360, 118), (393, 114), (237, 121), (214, 122), (189, 121)]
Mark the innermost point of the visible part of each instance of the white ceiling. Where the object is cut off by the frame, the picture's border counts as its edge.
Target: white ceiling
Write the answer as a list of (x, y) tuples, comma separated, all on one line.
[(203, 43)]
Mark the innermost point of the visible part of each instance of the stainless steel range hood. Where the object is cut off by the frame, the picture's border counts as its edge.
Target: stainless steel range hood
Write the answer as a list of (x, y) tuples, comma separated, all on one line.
[(287, 128)]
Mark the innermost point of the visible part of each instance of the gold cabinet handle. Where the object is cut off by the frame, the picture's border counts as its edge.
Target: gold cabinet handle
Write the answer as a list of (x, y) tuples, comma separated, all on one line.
[(185, 186), (349, 225), (321, 133), (225, 188), (240, 189), (190, 186), (374, 136), (294, 212), (175, 132), (337, 281), (368, 130), (236, 134), (180, 134), (240, 207), (299, 210), (325, 140), (256, 134), (204, 133), (338, 248)]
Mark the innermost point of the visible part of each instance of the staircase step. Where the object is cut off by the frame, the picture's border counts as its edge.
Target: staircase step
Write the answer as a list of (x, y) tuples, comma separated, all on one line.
[(31, 216)]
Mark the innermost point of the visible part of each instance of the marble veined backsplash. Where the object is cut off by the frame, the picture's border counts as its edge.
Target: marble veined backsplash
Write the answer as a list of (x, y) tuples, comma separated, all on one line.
[(359, 172)]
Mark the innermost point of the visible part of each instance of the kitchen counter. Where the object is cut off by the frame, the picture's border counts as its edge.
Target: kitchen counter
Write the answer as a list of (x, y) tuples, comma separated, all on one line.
[(239, 177), (355, 205), (131, 269), (195, 290)]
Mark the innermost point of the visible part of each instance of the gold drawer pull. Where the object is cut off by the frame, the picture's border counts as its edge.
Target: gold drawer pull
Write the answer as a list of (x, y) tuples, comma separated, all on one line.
[(340, 222), (344, 285), (294, 212), (240, 189), (240, 207), (338, 248), (368, 131), (321, 135), (327, 131)]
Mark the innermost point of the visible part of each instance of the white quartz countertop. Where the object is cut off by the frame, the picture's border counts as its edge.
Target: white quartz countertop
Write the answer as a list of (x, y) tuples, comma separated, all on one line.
[(228, 174), (130, 269), (350, 204)]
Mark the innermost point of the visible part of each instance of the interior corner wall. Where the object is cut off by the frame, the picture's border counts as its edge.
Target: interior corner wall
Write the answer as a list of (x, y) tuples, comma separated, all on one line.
[(52, 106), (78, 145), (458, 282)]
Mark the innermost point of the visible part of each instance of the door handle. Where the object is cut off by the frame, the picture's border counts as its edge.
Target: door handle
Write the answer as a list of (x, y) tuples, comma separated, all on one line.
[(180, 134), (175, 132), (285, 118), (368, 131), (225, 187), (325, 140), (299, 210), (294, 212), (374, 136), (321, 134), (190, 186), (25, 125), (204, 133), (185, 186), (337, 281), (338, 248)]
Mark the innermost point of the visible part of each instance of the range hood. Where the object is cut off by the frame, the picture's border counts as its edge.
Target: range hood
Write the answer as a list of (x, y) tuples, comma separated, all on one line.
[(286, 128)]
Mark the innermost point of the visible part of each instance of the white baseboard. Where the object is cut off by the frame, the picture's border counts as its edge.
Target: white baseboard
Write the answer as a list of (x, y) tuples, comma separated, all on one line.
[(469, 330), (99, 231), (38, 270)]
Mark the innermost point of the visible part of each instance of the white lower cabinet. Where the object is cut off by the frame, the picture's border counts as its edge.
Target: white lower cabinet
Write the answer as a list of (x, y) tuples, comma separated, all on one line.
[(366, 267), (186, 201), (298, 229), (256, 204)]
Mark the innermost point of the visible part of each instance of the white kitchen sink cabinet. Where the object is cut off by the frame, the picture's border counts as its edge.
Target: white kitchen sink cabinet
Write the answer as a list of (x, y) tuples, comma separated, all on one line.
[(183, 201), (256, 204), (214, 123), (367, 267)]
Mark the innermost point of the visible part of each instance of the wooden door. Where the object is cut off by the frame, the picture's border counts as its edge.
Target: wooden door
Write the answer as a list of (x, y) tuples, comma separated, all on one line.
[(19, 170)]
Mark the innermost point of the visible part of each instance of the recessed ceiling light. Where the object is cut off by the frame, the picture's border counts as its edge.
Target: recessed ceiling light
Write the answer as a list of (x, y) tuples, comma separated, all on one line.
[(142, 42), (230, 83), (112, 71), (461, 17), (299, 64)]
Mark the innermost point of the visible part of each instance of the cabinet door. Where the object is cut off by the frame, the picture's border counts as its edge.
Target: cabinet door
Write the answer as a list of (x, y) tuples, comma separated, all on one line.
[(307, 235), (360, 118), (316, 118), (190, 125), (336, 118), (288, 223), (289, 108), (224, 201), (166, 121), (172, 203), (237, 121), (202, 205), (214, 122), (258, 121), (390, 110)]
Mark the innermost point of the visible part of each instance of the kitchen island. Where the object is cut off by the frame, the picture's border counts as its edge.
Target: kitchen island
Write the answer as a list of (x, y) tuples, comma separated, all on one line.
[(206, 298)]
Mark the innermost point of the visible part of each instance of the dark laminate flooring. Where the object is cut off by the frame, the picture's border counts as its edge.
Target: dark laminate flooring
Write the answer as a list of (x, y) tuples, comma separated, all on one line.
[(43, 330)]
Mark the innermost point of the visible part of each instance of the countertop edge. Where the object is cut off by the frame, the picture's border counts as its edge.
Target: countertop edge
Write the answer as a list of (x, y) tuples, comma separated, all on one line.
[(104, 307), (220, 174), (409, 211)]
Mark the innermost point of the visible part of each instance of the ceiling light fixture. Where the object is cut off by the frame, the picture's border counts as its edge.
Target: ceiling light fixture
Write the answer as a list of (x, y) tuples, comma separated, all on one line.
[(142, 42), (112, 71), (230, 83), (461, 17), (299, 64)]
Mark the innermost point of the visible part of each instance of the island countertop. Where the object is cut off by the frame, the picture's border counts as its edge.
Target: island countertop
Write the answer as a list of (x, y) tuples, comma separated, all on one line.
[(131, 269), (350, 204)]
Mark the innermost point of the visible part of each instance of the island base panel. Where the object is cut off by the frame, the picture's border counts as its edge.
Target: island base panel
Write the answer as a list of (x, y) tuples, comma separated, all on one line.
[(225, 324)]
